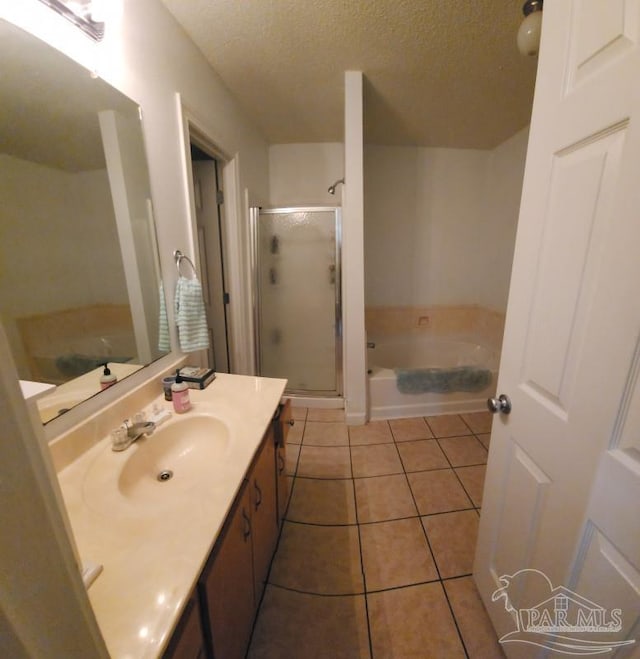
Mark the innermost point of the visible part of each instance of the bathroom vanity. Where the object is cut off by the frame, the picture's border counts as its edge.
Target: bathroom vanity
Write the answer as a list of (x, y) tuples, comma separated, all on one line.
[(184, 558)]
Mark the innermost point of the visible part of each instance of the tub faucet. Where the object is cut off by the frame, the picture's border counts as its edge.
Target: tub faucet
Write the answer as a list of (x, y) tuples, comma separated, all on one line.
[(129, 432)]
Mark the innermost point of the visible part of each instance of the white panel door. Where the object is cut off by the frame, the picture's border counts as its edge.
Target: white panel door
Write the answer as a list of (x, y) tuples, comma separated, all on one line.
[(562, 493)]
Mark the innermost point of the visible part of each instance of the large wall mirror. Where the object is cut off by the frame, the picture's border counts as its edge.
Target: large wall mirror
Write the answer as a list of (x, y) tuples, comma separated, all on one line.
[(79, 267)]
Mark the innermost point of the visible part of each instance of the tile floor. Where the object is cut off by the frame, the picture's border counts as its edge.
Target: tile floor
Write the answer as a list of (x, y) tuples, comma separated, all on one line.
[(376, 550)]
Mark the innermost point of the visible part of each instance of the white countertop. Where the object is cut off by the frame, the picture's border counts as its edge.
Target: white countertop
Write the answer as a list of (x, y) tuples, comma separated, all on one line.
[(34, 390), (152, 561)]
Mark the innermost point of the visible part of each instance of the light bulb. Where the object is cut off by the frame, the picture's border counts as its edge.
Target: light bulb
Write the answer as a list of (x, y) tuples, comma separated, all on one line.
[(529, 34)]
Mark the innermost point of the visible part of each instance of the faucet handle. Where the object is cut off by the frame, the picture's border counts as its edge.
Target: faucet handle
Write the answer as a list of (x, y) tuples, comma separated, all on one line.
[(119, 438), (140, 417)]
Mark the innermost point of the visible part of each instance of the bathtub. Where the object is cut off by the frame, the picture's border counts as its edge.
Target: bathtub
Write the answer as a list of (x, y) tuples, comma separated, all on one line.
[(419, 352)]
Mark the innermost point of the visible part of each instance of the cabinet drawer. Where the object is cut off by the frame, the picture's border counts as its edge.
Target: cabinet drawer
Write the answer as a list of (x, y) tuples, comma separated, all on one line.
[(282, 422)]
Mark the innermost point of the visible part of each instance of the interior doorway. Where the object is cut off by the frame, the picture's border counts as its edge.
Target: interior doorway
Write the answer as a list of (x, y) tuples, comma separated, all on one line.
[(208, 198)]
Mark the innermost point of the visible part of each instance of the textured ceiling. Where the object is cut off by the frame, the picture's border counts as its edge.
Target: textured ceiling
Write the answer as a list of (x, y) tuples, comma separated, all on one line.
[(438, 72)]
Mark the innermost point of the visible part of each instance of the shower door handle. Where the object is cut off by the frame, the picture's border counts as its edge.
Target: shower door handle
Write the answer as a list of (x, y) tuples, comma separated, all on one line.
[(332, 274), (500, 404)]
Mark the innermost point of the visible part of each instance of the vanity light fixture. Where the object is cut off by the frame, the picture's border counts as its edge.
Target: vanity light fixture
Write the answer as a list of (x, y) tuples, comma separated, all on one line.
[(531, 28), (88, 15)]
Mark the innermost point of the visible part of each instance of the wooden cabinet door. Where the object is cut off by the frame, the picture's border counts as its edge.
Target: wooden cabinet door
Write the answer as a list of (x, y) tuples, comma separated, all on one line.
[(283, 423), (188, 640), (282, 482), (228, 584), (262, 485)]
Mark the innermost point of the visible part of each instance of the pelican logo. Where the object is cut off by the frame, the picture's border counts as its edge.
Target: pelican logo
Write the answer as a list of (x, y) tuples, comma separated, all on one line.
[(558, 619)]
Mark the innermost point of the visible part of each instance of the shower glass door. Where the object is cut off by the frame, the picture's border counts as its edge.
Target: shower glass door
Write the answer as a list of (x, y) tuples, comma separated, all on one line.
[(297, 310)]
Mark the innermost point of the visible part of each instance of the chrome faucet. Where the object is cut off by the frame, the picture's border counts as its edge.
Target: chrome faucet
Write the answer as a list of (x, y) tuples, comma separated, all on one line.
[(129, 432)]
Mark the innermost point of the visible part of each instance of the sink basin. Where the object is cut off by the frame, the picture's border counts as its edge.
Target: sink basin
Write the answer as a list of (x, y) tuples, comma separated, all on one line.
[(181, 456)]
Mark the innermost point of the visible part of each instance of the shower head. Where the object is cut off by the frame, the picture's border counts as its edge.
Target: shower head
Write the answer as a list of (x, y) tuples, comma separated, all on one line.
[(332, 188)]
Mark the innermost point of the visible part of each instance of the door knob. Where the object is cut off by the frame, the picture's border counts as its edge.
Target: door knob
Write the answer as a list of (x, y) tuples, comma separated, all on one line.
[(500, 404)]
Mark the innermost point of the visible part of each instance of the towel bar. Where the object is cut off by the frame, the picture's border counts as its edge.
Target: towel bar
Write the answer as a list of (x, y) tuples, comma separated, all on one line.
[(179, 257)]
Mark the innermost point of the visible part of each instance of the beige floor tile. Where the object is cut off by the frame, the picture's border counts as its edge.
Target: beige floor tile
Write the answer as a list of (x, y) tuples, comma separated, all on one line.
[(298, 625), (374, 432), (325, 433), (477, 632), (421, 455), (463, 451), (294, 436), (447, 425), (298, 413), (479, 422), (320, 414), (395, 554), (452, 537), (322, 501), (323, 560), (473, 480), (485, 438), (404, 430), (383, 498), (413, 622), (438, 491), (375, 460), (293, 453), (324, 462)]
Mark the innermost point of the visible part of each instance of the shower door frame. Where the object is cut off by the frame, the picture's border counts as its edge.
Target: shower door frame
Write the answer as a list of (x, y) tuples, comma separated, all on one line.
[(256, 297)]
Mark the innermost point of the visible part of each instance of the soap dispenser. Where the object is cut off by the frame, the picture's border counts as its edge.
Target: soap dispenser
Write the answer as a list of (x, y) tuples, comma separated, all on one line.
[(180, 394), (107, 378)]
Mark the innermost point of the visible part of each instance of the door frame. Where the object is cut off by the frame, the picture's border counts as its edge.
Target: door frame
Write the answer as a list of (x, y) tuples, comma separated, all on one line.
[(239, 316), (206, 170), (254, 218)]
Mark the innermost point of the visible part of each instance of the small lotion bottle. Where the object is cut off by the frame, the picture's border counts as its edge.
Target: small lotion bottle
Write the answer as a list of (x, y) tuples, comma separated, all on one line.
[(107, 378), (180, 395)]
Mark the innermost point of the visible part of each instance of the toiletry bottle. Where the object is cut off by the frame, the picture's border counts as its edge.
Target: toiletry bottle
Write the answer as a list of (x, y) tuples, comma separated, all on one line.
[(107, 378), (180, 395), (166, 386)]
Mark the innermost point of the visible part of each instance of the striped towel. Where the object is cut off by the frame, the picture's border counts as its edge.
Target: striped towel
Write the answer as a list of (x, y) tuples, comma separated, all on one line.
[(190, 315), (164, 344)]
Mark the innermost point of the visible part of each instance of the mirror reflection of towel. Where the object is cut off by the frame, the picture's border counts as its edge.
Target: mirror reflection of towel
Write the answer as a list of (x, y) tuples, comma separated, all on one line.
[(190, 315), (164, 344)]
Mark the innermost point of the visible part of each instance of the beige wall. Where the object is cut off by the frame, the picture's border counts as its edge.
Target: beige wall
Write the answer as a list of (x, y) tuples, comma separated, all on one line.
[(504, 182), (300, 174), (440, 224)]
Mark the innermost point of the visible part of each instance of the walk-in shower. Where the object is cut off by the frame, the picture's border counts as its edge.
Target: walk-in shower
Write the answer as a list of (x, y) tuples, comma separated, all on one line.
[(297, 309)]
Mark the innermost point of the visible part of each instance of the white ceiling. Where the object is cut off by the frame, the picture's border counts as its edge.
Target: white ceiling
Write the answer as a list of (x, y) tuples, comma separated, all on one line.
[(438, 72)]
